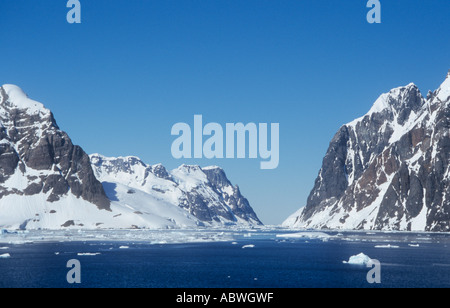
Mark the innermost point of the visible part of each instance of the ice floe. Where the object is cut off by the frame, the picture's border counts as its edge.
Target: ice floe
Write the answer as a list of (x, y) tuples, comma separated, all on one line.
[(387, 246), (321, 235), (248, 246)]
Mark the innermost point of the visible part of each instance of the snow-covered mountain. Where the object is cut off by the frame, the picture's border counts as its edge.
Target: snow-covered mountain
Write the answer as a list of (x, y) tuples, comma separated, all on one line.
[(47, 182), (388, 170), (205, 193)]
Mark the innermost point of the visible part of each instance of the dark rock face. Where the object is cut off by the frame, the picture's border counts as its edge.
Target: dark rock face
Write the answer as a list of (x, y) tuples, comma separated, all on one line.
[(30, 140), (231, 195), (204, 209), (227, 202), (388, 170)]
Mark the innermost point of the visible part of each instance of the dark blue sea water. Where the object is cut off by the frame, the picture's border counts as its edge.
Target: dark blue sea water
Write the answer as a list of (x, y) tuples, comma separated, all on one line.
[(273, 262)]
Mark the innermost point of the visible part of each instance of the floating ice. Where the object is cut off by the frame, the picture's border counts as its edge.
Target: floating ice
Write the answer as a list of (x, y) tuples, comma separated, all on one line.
[(88, 253), (139, 235), (248, 246), (20, 242), (386, 246), (124, 247), (360, 259), (321, 235), (5, 255)]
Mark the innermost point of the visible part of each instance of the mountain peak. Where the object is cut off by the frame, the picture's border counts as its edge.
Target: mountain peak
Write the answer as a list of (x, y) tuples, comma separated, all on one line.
[(443, 92), (211, 168), (189, 168), (394, 99), (217, 175), (401, 100), (123, 160), (17, 98), (39, 160)]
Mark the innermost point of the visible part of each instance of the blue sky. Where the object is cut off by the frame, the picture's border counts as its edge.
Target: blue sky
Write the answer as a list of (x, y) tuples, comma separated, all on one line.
[(118, 81)]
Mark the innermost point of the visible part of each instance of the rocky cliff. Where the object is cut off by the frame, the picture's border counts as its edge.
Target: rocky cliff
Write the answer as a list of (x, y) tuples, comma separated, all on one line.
[(36, 157), (388, 170)]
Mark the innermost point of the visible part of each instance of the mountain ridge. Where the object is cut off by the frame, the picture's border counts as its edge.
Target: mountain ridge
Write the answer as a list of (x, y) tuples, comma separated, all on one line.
[(206, 193), (387, 170), (47, 182)]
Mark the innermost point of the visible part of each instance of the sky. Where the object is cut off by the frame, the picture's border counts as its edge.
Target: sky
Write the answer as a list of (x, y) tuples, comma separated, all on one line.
[(118, 81)]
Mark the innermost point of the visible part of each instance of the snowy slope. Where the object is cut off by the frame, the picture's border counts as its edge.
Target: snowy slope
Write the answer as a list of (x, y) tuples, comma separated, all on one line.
[(190, 189)]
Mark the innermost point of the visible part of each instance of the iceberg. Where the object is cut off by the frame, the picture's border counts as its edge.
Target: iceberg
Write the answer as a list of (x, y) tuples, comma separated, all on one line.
[(5, 255), (360, 259)]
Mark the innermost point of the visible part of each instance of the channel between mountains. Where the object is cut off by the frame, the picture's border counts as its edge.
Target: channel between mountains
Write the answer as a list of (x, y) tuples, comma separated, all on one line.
[(387, 170)]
